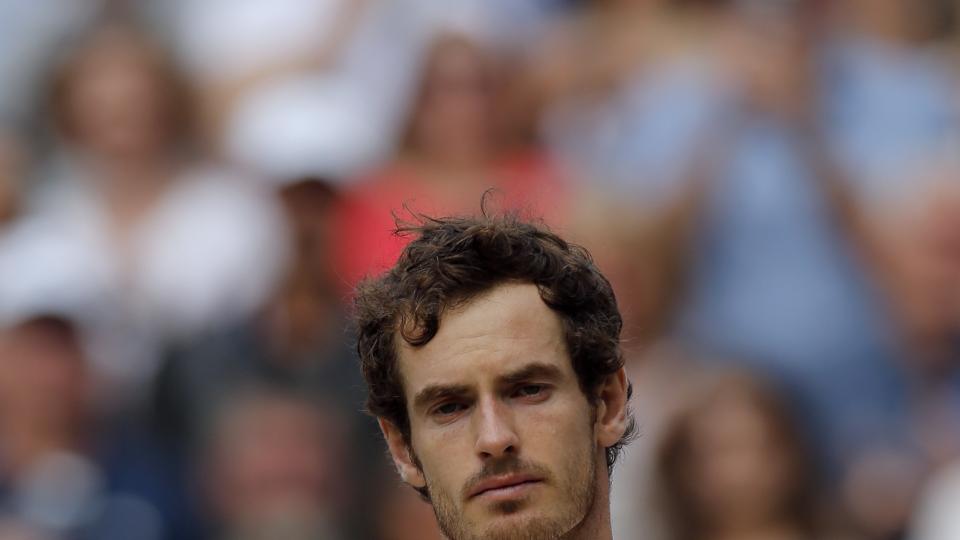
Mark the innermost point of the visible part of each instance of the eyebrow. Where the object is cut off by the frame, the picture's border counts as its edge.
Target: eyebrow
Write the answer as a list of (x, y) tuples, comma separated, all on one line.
[(436, 392), (536, 370)]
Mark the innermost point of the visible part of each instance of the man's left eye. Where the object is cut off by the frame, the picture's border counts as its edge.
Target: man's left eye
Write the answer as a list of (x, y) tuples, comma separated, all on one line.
[(448, 409), (530, 390)]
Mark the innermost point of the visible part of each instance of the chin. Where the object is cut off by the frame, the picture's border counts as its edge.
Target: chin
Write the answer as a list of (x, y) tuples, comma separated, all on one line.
[(525, 523), (531, 531)]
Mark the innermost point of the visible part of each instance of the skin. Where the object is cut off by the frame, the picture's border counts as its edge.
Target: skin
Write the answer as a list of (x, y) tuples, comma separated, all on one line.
[(119, 109), (274, 468), (739, 472), (116, 106), (43, 396), (494, 392), (453, 124)]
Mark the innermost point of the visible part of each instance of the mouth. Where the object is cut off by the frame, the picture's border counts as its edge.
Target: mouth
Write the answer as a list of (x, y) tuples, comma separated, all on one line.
[(504, 487)]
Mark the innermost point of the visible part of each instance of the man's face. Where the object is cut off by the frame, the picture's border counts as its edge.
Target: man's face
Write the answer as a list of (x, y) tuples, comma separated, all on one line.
[(502, 436)]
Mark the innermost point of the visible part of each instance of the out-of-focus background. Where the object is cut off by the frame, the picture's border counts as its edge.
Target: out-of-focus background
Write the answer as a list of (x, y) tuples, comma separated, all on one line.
[(189, 189)]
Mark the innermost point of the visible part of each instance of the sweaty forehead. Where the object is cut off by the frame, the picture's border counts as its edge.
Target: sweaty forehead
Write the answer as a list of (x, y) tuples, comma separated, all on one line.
[(494, 333)]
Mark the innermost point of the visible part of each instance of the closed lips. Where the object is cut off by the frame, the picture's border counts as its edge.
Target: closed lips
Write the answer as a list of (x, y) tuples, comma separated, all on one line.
[(501, 482)]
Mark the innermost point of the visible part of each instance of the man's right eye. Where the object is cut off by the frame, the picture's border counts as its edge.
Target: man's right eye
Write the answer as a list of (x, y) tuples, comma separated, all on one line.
[(447, 409)]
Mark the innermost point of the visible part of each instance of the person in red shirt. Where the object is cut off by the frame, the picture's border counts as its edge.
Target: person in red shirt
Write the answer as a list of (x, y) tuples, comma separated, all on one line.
[(455, 147)]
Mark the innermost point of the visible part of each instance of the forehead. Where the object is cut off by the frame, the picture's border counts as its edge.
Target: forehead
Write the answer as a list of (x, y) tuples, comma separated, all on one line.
[(495, 333)]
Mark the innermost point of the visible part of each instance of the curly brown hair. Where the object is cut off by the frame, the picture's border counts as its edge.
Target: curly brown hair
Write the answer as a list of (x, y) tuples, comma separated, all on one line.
[(453, 260)]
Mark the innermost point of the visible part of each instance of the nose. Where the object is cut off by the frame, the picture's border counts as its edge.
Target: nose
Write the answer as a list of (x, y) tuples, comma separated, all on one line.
[(496, 435)]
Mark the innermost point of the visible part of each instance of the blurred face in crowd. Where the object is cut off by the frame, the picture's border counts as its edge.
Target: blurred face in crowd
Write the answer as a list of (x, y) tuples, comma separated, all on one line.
[(275, 462), (42, 374), (502, 437), (453, 117), (737, 461), (733, 463), (116, 97), (305, 298), (922, 239), (308, 207)]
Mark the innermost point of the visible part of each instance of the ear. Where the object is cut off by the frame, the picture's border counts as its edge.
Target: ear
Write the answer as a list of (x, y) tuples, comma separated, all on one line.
[(612, 408), (400, 453)]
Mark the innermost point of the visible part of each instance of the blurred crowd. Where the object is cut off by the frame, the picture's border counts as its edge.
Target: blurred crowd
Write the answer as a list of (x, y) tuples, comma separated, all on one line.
[(189, 190)]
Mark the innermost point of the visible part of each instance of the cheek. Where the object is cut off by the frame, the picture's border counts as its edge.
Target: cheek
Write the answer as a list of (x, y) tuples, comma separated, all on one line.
[(446, 455), (558, 436), (560, 423)]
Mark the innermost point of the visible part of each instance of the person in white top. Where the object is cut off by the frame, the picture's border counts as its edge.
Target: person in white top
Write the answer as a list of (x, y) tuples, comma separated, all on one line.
[(176, 245)]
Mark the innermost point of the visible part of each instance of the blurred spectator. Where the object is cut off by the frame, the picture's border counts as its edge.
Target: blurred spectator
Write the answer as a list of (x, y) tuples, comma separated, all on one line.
[(629, 93), (775, 274), (336, 77), (665, 377), (634, 100), (274, 468), (124, 115), (891, 103), (733, 466), (298, 341), (452, 152), (892, 118), (918, 255), (299, 337), (172, 245), (61, 473), (917, 264)]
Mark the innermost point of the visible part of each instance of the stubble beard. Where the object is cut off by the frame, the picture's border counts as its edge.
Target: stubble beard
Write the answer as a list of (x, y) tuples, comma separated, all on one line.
[(582, 491)]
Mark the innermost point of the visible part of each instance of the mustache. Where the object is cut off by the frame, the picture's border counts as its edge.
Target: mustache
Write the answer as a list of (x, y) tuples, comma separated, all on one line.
[(503, 466)]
